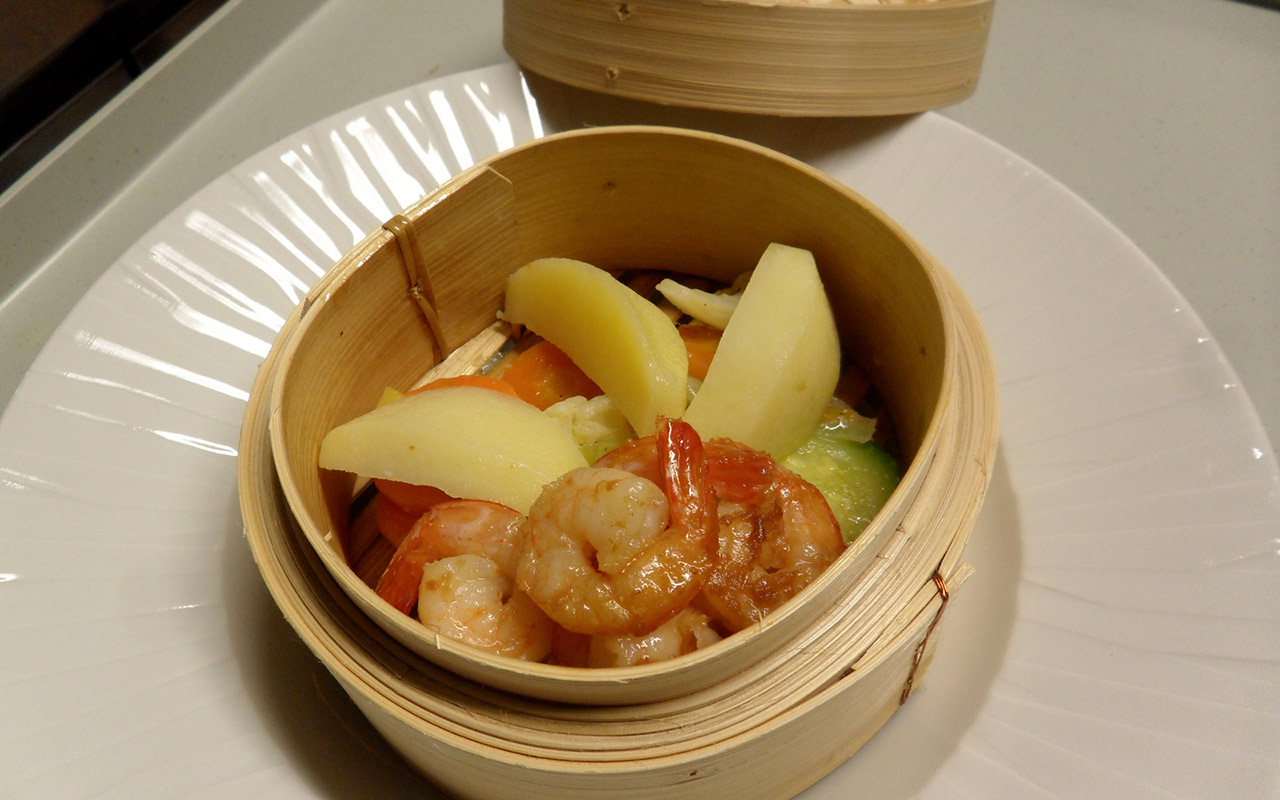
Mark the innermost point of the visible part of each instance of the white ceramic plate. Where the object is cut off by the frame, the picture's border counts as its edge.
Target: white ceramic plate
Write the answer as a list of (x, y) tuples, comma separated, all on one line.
[(1121, 638)]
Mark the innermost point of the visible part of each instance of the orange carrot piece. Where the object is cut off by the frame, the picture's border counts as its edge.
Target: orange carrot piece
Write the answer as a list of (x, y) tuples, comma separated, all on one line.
[(701, 341), (413, 499), (394, 523), (543, 375), (481, 381)]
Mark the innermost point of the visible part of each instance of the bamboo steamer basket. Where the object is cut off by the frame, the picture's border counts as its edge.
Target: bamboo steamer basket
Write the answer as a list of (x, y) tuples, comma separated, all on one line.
[(783, 57), (627, 196), (767, 733), (764, 713)]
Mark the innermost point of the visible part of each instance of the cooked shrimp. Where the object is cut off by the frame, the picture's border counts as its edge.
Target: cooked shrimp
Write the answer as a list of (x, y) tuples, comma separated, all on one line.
[(777, 532), (609, 552), (686, 632), (770, 549), (467, 598), (736, 472), (451, 528), (569, 649)]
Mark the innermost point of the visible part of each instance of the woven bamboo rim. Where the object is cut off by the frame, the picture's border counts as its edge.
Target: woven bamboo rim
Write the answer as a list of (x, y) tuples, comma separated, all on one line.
[(784, 57), (769, 733), (496, 197)]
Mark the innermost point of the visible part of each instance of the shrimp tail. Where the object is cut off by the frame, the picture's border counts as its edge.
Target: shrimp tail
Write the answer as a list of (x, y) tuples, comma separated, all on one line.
[(694, 524), (399, 582), (686, 478), (738, 473)]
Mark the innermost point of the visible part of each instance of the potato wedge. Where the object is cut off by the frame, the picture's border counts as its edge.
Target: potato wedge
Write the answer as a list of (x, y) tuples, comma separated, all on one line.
[(468, 441), (778, 361), (620, 340)]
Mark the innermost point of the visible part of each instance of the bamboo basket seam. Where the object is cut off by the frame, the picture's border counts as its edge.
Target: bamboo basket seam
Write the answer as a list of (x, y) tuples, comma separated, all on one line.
[(418, 273)]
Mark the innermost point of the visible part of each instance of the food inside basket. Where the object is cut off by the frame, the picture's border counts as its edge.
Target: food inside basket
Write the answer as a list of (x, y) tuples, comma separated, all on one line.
[(651, 464)]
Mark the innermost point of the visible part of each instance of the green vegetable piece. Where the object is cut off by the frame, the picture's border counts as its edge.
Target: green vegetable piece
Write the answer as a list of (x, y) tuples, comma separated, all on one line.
[(855, 477)]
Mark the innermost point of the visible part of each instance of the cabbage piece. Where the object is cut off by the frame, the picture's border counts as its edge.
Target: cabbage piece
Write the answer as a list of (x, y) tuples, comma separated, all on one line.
[(597, 425), (709, 308)]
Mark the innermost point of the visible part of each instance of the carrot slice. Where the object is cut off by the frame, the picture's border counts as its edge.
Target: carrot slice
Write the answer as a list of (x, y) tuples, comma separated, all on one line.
[(701, 341), (399, 505), (481, 381), (413, 499), (543, 375), (394, 523)]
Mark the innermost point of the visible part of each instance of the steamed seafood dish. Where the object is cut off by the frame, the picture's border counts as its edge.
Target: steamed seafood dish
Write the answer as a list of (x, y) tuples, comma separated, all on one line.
[(638, 477)]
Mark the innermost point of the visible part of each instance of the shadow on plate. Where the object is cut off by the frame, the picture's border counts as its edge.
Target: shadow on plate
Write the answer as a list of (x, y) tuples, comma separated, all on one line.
[(564, 107), (909, 752), (320, 732)]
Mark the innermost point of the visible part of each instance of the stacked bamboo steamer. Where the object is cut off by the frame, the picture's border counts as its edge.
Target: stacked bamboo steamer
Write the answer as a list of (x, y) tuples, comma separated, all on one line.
[(785, 57), (764, 713)]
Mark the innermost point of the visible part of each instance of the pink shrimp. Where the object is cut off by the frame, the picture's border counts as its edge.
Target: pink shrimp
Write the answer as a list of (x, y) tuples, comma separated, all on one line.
[(736, 472), (467, 598), (450, 528), (610, 552), (684, 633), (777, 532), (770, 549)]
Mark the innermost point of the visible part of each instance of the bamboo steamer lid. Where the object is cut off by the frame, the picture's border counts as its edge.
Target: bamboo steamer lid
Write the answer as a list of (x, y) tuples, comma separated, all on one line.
[(626, 196), (783, 57), (768, 733)]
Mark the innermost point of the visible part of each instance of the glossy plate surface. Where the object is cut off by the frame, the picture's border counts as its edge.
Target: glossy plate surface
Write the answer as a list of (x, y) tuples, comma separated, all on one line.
[(1121, 638)]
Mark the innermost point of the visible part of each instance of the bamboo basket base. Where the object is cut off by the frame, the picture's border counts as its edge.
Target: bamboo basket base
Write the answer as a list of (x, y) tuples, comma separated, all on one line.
[(769, 732), (783, 57)]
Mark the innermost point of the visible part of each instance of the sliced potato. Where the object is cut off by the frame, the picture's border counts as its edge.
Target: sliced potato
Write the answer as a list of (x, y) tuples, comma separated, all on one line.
[(468, 441), (778, 360), (620, 340)]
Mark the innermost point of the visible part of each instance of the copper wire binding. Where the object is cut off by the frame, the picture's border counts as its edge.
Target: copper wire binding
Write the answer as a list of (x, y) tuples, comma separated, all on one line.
[(924, 643), (419, 278)]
